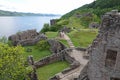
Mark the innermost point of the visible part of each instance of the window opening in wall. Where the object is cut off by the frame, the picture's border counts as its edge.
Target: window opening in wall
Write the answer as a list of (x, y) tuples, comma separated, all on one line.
[(114, 78), (110, 58)]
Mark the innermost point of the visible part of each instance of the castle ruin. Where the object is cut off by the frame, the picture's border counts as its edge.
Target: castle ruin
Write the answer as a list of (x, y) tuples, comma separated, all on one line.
[(104, 53)]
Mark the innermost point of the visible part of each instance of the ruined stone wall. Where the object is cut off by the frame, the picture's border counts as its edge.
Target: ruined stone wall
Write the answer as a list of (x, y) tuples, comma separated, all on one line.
[(28, 37), (49, 59), (63, 55), (53, 21), (56, 46), (108, 40)]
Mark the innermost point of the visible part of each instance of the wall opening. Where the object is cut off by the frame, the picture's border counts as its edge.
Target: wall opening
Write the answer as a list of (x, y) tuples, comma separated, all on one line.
[(111, 58), (114, 78)]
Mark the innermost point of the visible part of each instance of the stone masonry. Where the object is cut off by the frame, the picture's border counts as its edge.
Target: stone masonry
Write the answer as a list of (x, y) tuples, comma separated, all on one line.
[(28, 37), (104, 59)]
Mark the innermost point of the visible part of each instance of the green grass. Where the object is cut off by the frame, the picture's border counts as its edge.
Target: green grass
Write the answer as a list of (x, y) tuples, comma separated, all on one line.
[(64, 42), (44, 73), (51, 34), (82, 38), (37, 54)]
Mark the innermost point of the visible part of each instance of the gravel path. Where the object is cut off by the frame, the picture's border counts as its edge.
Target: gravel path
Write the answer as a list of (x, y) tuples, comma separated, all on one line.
[(78, 55)]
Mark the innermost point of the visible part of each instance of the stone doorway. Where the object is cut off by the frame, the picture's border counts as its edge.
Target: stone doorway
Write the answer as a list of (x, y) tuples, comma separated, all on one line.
[(111, 58)]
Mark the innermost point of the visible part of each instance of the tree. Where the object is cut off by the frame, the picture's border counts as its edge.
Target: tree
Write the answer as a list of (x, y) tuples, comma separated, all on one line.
[(12, 63), (45, 27), (3, 39), (42, 45)]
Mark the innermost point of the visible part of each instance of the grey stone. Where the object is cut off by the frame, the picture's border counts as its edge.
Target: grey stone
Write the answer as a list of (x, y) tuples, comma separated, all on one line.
[(29, 37), (104, 52), (56, 46)]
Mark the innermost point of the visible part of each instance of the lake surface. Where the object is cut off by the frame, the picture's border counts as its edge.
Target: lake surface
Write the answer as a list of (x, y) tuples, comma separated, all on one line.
[(12, 25)]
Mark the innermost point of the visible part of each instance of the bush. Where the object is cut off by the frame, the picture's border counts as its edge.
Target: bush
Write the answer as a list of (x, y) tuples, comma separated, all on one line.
[(12, 63), (42, 45), (45, 28)]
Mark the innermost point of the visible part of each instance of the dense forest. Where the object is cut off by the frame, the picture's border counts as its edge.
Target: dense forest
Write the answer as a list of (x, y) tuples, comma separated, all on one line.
[(83, 16), (8, 13)]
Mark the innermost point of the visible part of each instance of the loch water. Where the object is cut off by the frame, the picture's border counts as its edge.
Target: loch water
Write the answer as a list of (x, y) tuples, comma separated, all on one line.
[(12, 25)]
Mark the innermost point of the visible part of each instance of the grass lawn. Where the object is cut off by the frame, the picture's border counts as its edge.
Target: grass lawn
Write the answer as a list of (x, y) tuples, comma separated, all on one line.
[(51, 34), (44, 73), (37, 54), (64, 42), (82, 38)]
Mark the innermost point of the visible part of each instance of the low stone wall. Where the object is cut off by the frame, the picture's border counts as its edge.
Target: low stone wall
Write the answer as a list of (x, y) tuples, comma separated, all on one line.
[(83, 75), (32, 41), (63, 55), (32, 75), (49, 59), (52, 58), (73, 64)]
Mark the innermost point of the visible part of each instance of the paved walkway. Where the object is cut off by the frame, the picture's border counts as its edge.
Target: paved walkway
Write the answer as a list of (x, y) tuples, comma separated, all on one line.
[(78, 55)]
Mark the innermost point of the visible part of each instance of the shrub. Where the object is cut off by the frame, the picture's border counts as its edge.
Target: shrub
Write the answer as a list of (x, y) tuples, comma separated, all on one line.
[(45, 28), (12, 63), (42, 45)]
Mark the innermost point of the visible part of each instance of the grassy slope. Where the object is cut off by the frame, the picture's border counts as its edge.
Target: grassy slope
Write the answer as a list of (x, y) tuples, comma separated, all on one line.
[(51, 34), (37, 54), (64, 42), (82, 38), (50, 70)]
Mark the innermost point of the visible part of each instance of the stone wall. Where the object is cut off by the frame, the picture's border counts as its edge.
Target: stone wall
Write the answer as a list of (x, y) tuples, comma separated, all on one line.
[(56, 46), (53, 21), (104, 53), (73, 64), (49, 59), (63, 55), (28, 37), (32, 75), (84, 74)]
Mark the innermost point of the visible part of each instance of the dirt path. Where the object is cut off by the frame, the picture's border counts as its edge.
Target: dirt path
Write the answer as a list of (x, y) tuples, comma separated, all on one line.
[(69, 41), (78, 55)]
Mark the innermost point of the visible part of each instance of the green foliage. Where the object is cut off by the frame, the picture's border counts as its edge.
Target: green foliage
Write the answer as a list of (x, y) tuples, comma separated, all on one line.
[(96, 8), (9, 42), (46, 27), (63, 22), (52, 28), (3, 39), (42, 45), (12, 63)]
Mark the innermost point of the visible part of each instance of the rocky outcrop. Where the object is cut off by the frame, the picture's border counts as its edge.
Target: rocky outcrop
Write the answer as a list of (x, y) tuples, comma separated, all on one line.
[(28, 37), (56, 46)]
